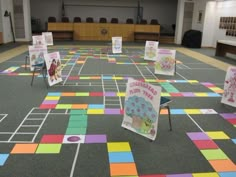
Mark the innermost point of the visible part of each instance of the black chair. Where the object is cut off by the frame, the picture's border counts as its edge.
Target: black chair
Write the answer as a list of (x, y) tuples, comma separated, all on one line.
[(143, 21), (102, 20), (154, 22), (129, 21), (114, 20), (89, 20), (52, 19), (65, 19), (77, 19)]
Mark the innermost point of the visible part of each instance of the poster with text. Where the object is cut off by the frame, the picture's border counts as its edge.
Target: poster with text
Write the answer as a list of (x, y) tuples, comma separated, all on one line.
[(229, 95), (165, 63), (48, 38), (36, 55), (38, 40), (141, 112), (53, 63), (116, 44), (150, 52)]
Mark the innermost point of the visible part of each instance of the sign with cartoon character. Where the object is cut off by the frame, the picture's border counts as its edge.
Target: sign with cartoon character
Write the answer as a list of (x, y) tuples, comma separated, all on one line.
[(48, 38), (150, 52), (36, 55), (165, 63), (53, 63), (38, 40), (141, 110), (116, 44), (229, 95)]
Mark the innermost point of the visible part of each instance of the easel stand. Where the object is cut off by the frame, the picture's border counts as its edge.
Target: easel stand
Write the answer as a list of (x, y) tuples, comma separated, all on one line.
[(165, 104), (42, 69)]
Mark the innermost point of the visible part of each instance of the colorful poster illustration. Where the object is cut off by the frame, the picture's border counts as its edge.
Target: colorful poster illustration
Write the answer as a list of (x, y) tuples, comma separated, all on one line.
[(150, 52), (48, 38), (38, 40), (141, 110), (165, 63), (229, 95), (116, 44), (36, 55), (53, 63)]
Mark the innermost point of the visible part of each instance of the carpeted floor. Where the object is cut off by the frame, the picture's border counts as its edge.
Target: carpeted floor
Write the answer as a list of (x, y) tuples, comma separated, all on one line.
[(36, 122)]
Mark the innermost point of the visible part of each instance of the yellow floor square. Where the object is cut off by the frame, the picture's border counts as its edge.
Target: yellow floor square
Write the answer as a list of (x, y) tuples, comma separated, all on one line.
[(95, 111), (201, 94), (217, 135), (118, 147), (52, 98), (205, 175), (120, 94), (192, 111)]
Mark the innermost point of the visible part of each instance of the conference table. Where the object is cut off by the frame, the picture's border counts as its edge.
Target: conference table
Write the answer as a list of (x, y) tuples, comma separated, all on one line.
[(104, 31)]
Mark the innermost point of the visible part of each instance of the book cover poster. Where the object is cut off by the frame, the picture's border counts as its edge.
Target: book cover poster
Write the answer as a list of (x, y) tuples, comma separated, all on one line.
[(53, 63), (36, 55), (116, 44), (165, 63), (229, 95), (38, 40), (141, 110), (48, 38), (150, 52)]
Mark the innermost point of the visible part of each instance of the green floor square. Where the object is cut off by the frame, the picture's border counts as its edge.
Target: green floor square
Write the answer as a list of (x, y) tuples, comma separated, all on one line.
[(63, 106), (48, 149), (78, 117), (214, 154), (76, 131), (80, 111), (78, 124)]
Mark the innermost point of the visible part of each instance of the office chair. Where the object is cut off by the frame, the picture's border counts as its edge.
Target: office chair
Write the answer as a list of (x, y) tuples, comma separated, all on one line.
[(89, 20), (102, 20), (143, 21), (114, 20), (52, 19), (77, 19), (129, 21), (154, 22), (65, 19)]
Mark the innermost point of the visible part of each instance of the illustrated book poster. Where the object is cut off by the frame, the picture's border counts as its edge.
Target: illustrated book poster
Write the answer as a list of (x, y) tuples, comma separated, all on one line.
[(36, 55), (53, 63), (116, 44), (141, 112), (165, 63), (150, 52), (38, 40), (229, 95), (48, 38)]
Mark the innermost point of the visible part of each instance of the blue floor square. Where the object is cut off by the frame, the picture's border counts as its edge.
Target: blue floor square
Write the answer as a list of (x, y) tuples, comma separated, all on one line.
[(120, 157), (177, 111), (3, 158), (227, 174)]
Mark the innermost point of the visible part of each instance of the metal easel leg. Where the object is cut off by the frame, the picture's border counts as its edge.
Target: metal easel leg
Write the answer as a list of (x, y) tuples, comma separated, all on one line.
[(169, 116), (33, 77)]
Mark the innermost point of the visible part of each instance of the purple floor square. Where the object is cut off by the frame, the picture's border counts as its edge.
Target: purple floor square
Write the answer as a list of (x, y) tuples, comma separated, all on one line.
[(95, 139), (198, 136)]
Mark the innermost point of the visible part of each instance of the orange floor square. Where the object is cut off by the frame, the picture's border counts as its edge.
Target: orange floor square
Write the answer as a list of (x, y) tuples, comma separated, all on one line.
[(24, 149), (164, 111), (68, 94), (121, 169), (223, 165), (79, 106)]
